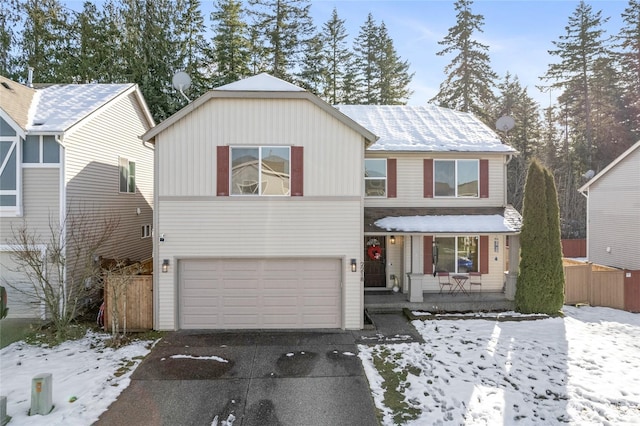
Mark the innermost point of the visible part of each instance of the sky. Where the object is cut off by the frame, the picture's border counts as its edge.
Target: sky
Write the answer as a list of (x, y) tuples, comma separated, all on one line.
[(582, 369)]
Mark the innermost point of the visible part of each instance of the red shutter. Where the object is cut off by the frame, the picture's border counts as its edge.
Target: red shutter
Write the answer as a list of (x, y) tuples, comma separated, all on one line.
[(484, 178), (484, 254), (222, 174), (297, 171), (427, 251), (391, 178), (428, 178)]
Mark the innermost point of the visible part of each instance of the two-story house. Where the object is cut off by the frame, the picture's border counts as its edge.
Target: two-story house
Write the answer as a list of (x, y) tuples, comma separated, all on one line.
[(267, 200), (69, 150)]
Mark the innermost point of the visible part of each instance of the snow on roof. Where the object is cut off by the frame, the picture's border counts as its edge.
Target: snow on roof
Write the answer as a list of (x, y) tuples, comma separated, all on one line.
[(261, 83), (446, 224), (424, 128), (60, 106)]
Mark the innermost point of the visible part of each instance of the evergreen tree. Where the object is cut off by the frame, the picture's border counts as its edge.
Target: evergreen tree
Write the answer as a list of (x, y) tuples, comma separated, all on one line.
[(312, 73), (628, 41), (579, 50), (192, 46), (9, 19), (470, 80), (366, 50), (394, 73), (45, 40), (336, 59), (283, 27), (537, 288), (230, 54), (514, 101)]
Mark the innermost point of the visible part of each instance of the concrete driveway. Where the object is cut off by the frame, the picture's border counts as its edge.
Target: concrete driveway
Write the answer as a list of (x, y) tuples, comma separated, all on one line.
[(249, 378)]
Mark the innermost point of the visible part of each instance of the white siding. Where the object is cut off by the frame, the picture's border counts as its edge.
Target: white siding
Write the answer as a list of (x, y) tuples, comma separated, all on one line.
[(614, 216), (92, 179), (259, 228), (40, 192), (410, 178), (332, 151)]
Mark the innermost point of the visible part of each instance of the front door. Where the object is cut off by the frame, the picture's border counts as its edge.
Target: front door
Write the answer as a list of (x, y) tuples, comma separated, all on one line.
[(374, 261)]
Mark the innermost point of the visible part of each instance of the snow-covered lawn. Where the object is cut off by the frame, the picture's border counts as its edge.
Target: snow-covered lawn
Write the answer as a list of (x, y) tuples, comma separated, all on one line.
[(87, 377), (583, 369)]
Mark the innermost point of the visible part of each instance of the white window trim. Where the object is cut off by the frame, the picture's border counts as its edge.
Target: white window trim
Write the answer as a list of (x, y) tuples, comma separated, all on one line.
[(386, 179), (146, 232), (13, 211), (129, 161), (455, 171), (259, 183), (455, 238)]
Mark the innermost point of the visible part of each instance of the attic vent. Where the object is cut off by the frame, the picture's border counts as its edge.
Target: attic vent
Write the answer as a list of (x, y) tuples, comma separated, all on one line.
[(5, 85), (38, 123)]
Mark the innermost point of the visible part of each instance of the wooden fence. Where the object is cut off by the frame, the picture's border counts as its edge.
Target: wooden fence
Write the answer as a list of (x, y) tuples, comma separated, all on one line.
[(574, 248), (138, 299), (595, 285)]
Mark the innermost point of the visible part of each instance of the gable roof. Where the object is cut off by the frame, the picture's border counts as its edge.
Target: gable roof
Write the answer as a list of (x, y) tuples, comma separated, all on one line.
[(426, 128), (15, 100), (610, 166), (261, 86), (57, 108)]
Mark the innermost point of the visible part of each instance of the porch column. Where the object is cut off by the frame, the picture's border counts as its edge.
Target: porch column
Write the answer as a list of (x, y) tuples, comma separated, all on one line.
[(514, 266), (417, 268)]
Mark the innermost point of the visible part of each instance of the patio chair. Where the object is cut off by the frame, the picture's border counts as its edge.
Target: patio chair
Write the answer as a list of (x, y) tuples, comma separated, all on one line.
[(443, 280), (475, 278)]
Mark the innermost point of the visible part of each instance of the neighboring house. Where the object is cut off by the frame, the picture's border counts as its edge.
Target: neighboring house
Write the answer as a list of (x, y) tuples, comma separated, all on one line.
[(613, 212), (265, 204), (70, 148)]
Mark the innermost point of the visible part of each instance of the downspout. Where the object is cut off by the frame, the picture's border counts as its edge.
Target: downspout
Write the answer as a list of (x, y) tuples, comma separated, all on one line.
[(62, 212)]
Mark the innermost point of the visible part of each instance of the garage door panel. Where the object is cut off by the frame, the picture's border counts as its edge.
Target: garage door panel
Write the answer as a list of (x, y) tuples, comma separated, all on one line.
[(260, 293)]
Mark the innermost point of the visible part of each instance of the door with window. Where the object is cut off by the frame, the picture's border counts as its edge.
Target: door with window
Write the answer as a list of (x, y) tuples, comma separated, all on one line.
[(375, 261)]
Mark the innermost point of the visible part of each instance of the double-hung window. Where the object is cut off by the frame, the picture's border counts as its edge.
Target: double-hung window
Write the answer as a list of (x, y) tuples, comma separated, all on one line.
[(127, 171), (375, 177), (263, 170), (456, 254), (456, 178)]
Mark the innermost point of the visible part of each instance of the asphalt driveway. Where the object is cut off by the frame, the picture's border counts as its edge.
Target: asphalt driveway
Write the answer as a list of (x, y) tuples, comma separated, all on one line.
[(251, 378)]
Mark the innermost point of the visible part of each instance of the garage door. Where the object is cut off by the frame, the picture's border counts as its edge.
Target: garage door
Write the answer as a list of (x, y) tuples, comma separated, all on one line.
[(19, 304), (260, 293)]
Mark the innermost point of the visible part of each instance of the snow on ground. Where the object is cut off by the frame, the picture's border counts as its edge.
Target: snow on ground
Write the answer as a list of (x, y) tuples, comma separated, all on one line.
[(583, 369), (85, 375)]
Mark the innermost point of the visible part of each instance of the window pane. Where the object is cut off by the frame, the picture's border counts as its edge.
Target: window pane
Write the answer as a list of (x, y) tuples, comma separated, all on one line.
[(445, 254), (244, 171), (375, 168), (7, 200), (467, 178), (8, 176), (31, 150), (5, 129), (51, 150), (124, 174), (274, 171), (132, 177), (468, 254), (375, 187), (444, 177)]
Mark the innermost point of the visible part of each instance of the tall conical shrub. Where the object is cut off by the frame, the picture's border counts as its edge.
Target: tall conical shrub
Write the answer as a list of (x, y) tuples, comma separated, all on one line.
[(540, 287)]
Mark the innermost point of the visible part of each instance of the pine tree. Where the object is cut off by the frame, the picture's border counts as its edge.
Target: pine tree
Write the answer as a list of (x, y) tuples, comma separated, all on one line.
[(470, 79), (230, 54), (366, 60), (9, 19), (282, 27), (394, 73), (312, 73), (336, 59), (191, 46), (628, 41), (45, 40), (579, 50)]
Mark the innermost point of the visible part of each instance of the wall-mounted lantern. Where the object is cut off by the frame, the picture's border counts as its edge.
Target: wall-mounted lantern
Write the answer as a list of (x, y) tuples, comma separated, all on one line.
[(392, 239), (165, 265), (354, 265)]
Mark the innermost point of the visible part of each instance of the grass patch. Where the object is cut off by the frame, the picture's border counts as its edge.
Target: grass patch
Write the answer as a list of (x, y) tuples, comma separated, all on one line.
[(394, 385)]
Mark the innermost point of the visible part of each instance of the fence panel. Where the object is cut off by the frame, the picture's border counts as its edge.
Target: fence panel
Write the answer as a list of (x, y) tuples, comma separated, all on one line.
[(607, 289), (576, 283), (632, 291), (574, 248), (139, 304)]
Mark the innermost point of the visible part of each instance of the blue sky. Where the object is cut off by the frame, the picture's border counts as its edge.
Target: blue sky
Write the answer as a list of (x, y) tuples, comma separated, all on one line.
[(519, 34)]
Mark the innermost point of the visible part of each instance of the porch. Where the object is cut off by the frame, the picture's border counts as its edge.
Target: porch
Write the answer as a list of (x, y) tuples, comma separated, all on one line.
[(388, 301)]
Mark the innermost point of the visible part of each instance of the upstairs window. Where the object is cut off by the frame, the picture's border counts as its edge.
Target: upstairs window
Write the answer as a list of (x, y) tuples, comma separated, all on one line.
[(8, 173), (456, 178), (127, 171), (375, 177), (260, 170), (40, 150)]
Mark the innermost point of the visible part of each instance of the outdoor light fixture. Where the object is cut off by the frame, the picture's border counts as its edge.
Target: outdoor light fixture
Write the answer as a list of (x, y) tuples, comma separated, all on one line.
[(354, 265), (392, 239), (165, 265)]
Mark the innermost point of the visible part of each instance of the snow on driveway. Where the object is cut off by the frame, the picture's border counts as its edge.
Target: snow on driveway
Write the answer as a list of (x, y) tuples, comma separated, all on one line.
[(583, 369)]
